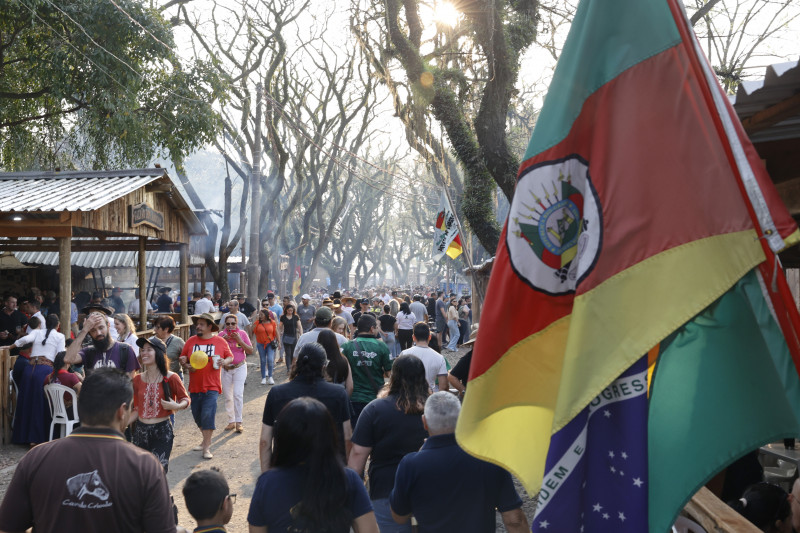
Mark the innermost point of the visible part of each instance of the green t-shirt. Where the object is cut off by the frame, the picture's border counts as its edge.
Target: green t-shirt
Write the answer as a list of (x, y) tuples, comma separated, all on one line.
[(373, 357)]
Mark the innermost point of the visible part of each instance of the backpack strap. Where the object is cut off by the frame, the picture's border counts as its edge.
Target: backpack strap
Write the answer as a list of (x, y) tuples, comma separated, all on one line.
[(124, 351)]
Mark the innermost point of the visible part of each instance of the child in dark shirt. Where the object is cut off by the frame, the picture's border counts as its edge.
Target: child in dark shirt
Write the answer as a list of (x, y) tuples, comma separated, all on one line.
[(208, 500)]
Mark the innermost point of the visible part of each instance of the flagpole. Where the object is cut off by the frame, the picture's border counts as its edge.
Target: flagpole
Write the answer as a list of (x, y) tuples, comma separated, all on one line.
[(468, 253), (786, 313)]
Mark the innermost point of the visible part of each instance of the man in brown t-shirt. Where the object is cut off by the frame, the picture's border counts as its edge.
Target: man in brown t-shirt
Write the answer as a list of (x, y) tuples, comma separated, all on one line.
[(93, 480)]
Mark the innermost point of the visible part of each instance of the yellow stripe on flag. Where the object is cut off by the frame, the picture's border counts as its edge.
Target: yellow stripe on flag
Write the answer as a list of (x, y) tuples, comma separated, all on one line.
[(454, 250), (542, 382)]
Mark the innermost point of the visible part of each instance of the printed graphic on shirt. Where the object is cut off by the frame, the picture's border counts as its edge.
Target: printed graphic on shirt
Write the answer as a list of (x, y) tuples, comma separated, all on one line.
[(207, 348), (364, 358), (88, 490)]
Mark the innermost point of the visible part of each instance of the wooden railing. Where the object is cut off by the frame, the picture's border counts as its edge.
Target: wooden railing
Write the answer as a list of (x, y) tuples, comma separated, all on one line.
[(8, 402), (181, 330)]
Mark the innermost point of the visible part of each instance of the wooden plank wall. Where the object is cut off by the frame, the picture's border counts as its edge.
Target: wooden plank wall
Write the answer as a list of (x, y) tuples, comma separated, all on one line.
[(114, 218)]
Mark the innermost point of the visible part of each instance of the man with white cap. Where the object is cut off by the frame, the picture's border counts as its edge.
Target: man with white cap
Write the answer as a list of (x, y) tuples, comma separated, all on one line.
[(306, 312)]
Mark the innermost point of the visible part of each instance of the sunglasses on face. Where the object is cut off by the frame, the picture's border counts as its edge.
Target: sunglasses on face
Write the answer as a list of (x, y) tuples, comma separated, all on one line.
[(231, 324)]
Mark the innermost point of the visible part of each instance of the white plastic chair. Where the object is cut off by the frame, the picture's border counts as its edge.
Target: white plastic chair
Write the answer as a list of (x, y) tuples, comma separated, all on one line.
[(58, 408)]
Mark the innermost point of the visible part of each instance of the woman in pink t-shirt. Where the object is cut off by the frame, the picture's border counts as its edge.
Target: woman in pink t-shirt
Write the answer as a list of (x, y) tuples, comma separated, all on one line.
[(234, 373)]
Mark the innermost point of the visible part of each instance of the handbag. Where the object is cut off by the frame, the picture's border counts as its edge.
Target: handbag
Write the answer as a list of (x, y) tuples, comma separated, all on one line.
[(289, 339)]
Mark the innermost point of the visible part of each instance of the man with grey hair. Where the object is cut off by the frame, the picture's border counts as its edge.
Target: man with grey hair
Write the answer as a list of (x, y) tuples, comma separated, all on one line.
[(474, 490)]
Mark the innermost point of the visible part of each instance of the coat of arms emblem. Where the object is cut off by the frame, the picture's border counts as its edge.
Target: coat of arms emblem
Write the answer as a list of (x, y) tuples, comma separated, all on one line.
[(554, 225)]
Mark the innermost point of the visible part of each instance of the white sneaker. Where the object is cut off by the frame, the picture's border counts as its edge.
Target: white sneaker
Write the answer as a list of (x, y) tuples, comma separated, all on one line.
[(271, 381), (263, 381)]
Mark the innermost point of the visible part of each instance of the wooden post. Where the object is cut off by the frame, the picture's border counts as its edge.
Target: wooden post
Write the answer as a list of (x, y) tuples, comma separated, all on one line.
[(184, 283), (142, 284), (64, 283), (202, 279)]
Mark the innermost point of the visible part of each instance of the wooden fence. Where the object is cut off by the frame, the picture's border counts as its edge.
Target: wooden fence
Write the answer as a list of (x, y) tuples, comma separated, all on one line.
[(8, 401)]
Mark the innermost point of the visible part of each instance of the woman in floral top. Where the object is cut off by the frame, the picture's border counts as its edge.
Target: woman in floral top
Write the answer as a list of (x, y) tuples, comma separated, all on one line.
[(157, 392)]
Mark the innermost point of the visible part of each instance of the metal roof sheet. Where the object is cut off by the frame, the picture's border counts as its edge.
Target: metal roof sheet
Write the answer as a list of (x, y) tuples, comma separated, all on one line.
[(781, 81), (70, 191), (158, 258)]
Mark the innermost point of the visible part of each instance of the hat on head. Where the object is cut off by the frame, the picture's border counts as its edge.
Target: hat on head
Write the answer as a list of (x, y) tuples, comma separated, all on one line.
[(348, 299), (116, 289), (327, 301), (337, 303), (324, 314), (157, 344), (99, 308), (337, 295), (208, 318), (270, 295), (165, 289), (306, 297), (240, 295), (364, 301)]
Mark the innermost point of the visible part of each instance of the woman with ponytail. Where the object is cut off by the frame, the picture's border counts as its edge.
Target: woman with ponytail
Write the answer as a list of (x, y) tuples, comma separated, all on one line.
[(307, 379), (389, 428), (307, 487), (32, 417), (157, 393)]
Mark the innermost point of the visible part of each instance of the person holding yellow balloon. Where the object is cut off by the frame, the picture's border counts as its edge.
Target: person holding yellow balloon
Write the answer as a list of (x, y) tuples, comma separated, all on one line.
[(203, 356)]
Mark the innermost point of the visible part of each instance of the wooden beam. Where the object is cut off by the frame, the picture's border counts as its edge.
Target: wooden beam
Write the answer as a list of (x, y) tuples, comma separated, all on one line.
[(24, 230), (184, 283), (142, 271), (64, 284), (789, 192), (772, 115)]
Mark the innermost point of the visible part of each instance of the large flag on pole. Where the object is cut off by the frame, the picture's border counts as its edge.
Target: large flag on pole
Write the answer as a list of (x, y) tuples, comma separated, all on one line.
[(643, 222), (446, 239)]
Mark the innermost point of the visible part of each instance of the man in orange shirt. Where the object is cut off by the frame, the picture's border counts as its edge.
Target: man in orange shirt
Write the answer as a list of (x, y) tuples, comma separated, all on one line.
[(205, 383)]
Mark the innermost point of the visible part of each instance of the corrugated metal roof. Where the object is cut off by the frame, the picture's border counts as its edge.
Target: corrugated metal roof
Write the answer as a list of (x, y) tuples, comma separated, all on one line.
[(70, 191), (159, 258), (781, 81)]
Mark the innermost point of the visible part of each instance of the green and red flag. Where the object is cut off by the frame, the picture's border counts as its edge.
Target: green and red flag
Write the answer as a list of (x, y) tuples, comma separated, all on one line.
[(643, 217)]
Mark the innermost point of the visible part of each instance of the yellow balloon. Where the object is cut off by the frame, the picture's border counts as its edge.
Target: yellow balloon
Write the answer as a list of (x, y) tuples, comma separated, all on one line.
[(198, 359)]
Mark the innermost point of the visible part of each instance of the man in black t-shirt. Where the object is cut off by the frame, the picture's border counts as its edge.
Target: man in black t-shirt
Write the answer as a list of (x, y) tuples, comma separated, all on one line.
[(364, 303), (164, 302), (12, 322)]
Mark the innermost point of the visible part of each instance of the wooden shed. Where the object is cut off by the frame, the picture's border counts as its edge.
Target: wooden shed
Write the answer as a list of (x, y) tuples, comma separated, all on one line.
[(74, 211)]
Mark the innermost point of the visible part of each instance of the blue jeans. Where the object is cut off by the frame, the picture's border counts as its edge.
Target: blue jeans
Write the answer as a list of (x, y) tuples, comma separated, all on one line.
[(454, 335), (267, 355), (204, 408), (383, 515)]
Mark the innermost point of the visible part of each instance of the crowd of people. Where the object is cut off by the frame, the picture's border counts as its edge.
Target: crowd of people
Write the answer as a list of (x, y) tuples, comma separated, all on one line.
[(336, 414)]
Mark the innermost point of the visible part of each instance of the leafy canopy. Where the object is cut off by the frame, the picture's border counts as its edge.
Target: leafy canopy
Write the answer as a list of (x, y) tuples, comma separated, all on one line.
[(81, 84)]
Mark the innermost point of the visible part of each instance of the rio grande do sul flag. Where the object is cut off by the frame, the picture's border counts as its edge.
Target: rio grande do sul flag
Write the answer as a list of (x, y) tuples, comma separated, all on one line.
[(446, 239), (640, 203)]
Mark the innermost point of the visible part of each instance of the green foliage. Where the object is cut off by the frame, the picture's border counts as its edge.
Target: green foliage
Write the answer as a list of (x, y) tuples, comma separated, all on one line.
[(82, 84)]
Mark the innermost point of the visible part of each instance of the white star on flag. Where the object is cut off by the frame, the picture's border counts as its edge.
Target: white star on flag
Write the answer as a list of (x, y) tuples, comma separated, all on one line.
[(613, 469), (597, 507), (605, 516), (624, 455), (638, 482), (607, 413), (544, 524), (622, 516), (621, 473)]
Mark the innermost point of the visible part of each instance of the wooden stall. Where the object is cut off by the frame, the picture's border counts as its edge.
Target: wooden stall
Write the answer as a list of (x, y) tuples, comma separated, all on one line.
[(137, 210)]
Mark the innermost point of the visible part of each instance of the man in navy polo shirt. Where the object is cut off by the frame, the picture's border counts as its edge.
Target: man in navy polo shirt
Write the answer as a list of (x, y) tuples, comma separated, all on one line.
[(476, 488)]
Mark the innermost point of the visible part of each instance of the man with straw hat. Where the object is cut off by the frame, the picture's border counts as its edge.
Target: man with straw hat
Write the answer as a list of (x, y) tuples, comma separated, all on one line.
[(203, 356)]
